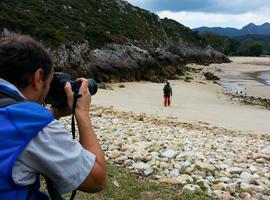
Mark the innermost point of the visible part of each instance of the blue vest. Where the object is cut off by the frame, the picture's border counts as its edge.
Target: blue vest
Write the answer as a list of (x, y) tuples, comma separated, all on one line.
[(19, 124)]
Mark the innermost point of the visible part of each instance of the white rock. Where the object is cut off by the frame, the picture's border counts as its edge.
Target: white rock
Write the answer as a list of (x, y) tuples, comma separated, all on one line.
[(141, 166), (164, 165), (247, 177), (184, 179), (154, 154), (191, 188), (170, 153), (224, 180), (234, 170), (114, 154), (266, 151), (253, 169), (174, 173), (148, 171)]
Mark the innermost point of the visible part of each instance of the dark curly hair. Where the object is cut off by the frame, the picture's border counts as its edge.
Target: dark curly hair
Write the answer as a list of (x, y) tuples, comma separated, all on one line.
[(20, 57)]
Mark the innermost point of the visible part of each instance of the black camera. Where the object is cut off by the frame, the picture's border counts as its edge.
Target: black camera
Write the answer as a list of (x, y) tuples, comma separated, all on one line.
[(57, 95)]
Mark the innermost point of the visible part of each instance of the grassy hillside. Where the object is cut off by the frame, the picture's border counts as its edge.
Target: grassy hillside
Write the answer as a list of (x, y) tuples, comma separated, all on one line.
[(98, 21)]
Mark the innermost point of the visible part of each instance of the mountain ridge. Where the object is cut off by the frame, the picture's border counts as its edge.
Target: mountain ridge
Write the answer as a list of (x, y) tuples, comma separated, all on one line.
[(249, 29)]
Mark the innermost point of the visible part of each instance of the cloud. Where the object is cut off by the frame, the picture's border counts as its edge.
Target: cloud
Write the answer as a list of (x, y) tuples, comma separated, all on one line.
[(196, 13), (212, 6), (198, 19)]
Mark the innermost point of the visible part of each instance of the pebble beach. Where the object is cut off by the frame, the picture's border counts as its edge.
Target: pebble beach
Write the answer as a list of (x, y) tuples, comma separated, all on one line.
[(215, 161)]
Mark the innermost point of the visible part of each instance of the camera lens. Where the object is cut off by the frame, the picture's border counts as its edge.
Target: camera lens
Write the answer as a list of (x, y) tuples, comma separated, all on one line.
[(92, 86)]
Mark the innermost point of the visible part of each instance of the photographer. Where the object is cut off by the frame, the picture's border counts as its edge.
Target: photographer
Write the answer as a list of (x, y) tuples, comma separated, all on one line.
[(33, 141)]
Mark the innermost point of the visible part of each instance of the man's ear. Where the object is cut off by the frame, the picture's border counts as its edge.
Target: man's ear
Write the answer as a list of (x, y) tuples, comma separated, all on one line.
[(38, 78)]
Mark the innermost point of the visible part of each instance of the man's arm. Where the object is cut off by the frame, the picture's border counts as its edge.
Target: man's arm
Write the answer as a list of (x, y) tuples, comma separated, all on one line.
[(96, 179)]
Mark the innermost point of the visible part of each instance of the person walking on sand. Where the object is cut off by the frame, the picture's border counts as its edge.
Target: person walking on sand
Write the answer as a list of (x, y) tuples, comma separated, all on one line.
[(167, 93)]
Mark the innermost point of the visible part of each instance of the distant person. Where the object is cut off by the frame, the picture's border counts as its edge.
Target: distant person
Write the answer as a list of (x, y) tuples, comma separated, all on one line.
[(167, 92)]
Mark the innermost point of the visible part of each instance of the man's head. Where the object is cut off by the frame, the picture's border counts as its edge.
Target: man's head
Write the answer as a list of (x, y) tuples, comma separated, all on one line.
[(26, 64)]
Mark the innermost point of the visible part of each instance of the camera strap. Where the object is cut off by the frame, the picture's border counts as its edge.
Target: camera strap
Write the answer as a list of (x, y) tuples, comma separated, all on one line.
[(75, 99)]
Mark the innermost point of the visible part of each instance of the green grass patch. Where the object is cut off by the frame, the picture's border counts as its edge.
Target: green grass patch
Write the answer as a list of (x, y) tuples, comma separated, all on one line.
[(122, 185)]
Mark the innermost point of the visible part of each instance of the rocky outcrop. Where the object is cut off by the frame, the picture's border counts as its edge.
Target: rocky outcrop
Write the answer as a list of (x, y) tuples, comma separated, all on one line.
[(131, 61), (210, 76)]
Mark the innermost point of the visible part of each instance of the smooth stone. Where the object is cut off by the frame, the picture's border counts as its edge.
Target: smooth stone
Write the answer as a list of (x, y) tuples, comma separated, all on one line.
[(224, 180), (148, 171), (174, 173), (247, 177), (184, 179), (121, 159), (141, 166), (205, 166), (218, 186), (234, 170), (253, 169), (114, 154), (191, 188), (245, 195), (170, 153), (266, 151)]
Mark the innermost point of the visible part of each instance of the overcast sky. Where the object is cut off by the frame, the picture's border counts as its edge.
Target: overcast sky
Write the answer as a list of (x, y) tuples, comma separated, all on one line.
[(212, 13)]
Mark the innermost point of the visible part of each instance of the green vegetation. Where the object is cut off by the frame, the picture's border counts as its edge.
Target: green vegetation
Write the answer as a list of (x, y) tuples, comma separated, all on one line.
[(250, 45), (201, 185), (99, 22), (176, 31), (123, 185)]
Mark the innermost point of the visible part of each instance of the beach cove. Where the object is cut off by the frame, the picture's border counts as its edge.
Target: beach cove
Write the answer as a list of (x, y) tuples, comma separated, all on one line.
[(200, 101)]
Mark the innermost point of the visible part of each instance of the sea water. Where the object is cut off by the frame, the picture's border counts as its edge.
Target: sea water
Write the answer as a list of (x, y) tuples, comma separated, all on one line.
[(264, 77), (237, 82)]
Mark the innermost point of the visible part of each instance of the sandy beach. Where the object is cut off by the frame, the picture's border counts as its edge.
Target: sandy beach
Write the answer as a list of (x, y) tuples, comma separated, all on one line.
[(200, 101)]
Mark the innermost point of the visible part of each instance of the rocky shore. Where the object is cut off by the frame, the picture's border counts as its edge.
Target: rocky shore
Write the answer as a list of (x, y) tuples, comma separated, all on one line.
[(215, 161), (129, 61), (132, 61)]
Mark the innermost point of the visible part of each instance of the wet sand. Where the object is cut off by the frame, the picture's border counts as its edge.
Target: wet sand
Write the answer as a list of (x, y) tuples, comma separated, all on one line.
[(249, 75), (199, 102)]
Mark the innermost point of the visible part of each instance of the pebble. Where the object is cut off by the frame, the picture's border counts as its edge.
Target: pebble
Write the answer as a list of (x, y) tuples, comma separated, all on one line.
[(231, 165)]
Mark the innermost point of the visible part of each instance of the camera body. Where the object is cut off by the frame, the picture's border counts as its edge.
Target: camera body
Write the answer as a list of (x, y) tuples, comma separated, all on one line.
[(57, 96)]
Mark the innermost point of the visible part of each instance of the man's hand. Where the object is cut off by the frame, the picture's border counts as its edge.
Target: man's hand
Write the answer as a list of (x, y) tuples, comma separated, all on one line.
[(97, 178), (83, 103)]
